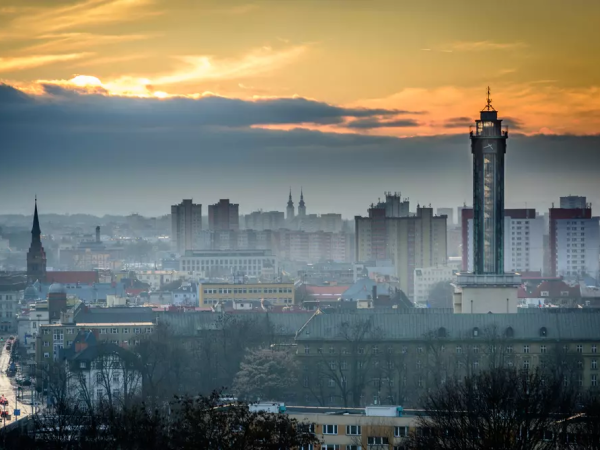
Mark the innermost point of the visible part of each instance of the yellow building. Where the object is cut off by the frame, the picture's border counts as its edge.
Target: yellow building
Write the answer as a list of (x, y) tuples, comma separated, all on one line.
[(275, 293)]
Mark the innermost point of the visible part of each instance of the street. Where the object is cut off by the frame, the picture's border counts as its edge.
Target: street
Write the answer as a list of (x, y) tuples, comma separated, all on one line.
[(8, 388)]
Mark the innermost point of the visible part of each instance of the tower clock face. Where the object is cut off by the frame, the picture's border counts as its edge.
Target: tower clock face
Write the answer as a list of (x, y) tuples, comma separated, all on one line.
[(488, 147)]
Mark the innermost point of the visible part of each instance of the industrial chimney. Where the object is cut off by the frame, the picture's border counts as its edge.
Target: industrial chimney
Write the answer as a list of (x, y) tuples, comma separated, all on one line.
[(98, 234)]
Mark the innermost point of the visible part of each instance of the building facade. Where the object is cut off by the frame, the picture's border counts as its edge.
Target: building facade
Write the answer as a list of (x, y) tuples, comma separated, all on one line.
[(264, 220), (393, 357), (416, 242), (186, 225), (426, 278), (223, 216), (523, 241), (281, 294), (225, 263), (576, 247)]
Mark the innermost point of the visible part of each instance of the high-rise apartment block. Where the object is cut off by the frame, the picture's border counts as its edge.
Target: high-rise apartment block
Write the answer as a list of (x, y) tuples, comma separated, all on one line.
[(523, 240), (223, 216), (410, 242), (574, 242), (186, 225)]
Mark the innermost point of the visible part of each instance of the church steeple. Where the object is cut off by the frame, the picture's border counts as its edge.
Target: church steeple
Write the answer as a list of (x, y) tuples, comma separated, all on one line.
[(35, 230), (290, 207), (36, 256), (301, 205)]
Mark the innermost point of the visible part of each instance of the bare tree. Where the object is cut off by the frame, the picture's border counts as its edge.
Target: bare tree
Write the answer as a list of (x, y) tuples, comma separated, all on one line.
[(498, 409)]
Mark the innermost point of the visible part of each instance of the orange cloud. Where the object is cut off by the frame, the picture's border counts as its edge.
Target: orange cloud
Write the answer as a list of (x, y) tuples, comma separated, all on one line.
[(533, 108), (27, 62)]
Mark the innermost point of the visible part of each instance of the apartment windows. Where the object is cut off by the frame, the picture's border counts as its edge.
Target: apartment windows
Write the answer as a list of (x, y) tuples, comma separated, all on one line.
[(526, 364), (353, 447), (330, 446), (459, 349), (148, 330), (526, 349), (98, 378), (400, 431), (114, 331), (579, 348), (46, 355), (594, 349), (361, 350), (306, 350), (419, 349), (353, 430), (542, 349), (330, 429), (331, 383), (332, 365), (509, 349), (137, 331), (377, 440), (594, 364), (594, 380)]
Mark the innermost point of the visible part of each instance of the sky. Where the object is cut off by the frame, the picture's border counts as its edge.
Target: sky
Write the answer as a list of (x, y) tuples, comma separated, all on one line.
[(121, 106)]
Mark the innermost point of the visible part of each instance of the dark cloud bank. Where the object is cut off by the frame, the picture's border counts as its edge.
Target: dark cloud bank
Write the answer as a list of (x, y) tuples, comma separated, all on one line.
[(97, 154)]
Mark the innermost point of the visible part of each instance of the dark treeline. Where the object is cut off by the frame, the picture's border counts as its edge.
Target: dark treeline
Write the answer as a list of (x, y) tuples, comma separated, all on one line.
[(199, 422)]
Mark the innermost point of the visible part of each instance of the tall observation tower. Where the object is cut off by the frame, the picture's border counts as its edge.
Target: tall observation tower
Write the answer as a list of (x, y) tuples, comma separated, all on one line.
[(488, 289), (488, 146)]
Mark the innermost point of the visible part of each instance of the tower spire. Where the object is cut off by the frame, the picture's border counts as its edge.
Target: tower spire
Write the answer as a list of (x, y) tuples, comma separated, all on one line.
[(488, 106), (35, 230)]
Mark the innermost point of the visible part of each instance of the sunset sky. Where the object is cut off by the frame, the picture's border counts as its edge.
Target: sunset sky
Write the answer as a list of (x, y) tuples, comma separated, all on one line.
[(301, 92)]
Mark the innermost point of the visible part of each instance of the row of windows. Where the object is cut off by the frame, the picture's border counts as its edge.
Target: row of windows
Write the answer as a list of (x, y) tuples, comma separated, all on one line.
[(356, 430), (249, 291), (579, 348), (58, 335), (226, 261)]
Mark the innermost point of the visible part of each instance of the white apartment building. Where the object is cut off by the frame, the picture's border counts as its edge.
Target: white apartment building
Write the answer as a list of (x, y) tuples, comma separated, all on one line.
[(186, 225), (523, 244), (577, 247), (428, 277), (216, 263)]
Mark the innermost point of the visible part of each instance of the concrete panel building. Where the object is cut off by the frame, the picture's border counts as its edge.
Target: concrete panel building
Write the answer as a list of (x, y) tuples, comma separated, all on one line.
[(186, 225)]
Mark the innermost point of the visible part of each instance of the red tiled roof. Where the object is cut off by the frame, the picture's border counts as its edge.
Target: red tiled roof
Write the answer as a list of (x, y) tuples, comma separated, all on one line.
[(135, 291), (556, 289), (87, 277)]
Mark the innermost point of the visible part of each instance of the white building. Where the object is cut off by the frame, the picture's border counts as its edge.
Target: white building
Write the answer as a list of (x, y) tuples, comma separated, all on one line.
[(187, 294), (523, 244), (428, 277), (156, 278), (216, 263), (577, 247), (186, 225), (102, 372)]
